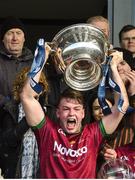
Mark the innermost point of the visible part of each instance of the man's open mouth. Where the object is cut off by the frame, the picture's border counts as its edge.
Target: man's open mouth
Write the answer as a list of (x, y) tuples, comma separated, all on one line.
[(71, 122)]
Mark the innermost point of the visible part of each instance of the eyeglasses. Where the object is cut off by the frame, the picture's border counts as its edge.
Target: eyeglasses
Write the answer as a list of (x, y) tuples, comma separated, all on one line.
[(129, 39)]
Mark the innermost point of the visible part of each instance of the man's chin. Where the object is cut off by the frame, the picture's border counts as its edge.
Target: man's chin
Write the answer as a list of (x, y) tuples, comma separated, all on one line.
[(70, 131)]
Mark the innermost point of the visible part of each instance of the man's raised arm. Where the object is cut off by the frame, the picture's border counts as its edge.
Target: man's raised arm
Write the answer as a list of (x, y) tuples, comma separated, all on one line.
[(111, 121), (32, 108)]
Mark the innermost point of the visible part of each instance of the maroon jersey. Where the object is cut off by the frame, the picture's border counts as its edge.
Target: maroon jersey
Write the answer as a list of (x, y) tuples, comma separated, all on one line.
[(127, 153), (68, 156)]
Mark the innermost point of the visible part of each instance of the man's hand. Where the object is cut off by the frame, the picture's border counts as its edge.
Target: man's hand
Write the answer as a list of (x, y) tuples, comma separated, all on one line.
[(117, 57), (110, 154)]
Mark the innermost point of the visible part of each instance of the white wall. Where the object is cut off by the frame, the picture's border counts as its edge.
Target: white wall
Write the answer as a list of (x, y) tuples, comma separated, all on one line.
[(120, 13)]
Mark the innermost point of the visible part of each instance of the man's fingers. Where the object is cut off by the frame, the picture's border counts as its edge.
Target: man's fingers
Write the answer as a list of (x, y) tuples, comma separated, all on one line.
[(130, 75), (110, 154)]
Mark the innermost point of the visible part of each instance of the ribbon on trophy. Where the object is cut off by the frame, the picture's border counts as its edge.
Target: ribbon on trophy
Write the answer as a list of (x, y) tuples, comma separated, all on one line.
[(102, 88), (116, 88), (38, 63)]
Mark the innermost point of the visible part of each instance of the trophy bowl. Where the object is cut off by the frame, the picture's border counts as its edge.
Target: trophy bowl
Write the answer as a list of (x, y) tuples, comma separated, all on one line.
[(116, 169), (83, 51)]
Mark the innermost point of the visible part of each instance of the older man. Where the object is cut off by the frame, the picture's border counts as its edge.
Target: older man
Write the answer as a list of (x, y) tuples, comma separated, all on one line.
[(101, 23), (13, 55)]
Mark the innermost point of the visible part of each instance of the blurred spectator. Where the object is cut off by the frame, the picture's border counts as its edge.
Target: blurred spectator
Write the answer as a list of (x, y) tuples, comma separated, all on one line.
[(18, 146), (101, 23)]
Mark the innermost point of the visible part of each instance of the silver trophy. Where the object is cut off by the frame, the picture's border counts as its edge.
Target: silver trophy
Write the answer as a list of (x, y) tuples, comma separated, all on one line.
[(83, 51), (116, 169)]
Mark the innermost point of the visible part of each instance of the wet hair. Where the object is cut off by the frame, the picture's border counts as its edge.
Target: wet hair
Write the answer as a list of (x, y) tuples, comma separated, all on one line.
[(70, 93), (20, 80), (125, 29), (127, 56)]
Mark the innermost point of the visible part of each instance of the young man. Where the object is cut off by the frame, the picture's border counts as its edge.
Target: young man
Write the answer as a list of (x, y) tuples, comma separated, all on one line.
[(67, 149), (127, 38)]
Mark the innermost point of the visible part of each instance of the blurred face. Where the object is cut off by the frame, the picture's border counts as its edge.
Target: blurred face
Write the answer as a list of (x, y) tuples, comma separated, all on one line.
[(13, 41), (103, 26), (70, 113), (97, 111), (124, 69), (128, 41)]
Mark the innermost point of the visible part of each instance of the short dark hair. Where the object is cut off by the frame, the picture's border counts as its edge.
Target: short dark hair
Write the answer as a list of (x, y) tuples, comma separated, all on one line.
[(72, 94), (125, 29)]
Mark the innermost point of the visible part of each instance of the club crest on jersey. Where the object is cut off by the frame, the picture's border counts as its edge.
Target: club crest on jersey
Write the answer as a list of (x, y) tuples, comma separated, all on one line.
[(61, 131)]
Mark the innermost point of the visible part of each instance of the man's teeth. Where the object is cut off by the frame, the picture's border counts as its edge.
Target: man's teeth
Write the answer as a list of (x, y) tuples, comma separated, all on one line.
[(71, 120)]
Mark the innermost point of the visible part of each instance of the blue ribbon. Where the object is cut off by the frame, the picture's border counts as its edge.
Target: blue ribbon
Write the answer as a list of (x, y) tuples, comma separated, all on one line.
[(36, 86), (38, 63), (39, 58), (130, 110), (102, 87), (116, 88)]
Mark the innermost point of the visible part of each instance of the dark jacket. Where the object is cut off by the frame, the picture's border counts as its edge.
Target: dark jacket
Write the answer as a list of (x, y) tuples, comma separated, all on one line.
[(11, 135), (9, 67)]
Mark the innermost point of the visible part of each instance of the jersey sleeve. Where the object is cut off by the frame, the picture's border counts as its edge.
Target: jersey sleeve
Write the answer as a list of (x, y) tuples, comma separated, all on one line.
[(40, 125), (103, 131)]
